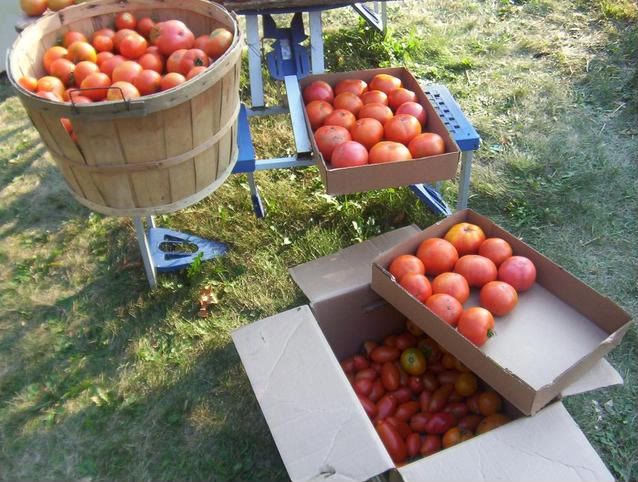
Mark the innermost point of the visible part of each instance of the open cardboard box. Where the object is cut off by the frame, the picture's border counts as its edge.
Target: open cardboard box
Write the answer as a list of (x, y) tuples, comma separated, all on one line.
[(558, 331), (348, 180), (321, 429)]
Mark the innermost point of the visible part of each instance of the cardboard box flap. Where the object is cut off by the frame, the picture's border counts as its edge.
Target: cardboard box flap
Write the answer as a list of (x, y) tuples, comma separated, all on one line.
[(601, 375), (349, 268), (320, 428), (548, 446)]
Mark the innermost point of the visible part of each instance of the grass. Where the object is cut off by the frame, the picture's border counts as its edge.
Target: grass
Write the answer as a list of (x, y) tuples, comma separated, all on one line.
[(101, 378)]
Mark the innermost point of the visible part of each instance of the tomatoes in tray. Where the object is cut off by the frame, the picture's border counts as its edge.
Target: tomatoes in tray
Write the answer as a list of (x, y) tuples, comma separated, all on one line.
[(349, 154), (402, 128), (438, 255), (466, 237), (415, 109), (341, 117), (329, 137), (498, 297), (375, 97), (318, 111), (476, 325), (496, 249), (417, 285), (385, 83), (357, 87), (427, 144), (367, 132), (388, 151), (400, 96), (219, 41), (318, 90), (519, 272), (477, 270), (446, 307), (406, 263)]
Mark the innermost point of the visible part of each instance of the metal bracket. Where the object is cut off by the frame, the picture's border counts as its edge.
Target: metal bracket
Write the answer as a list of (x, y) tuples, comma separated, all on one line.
[(175, 258), (288, 57), (375, 19)]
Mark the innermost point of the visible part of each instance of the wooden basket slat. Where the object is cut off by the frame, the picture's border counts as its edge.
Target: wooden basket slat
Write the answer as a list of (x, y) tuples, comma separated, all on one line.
[(99, 141), (142, 141), (67, 148), (177, 123), (116, 189), (88, 188), (152, 188)]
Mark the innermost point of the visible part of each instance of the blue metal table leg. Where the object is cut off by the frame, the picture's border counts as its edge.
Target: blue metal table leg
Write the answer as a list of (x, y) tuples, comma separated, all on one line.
[(258, 206)]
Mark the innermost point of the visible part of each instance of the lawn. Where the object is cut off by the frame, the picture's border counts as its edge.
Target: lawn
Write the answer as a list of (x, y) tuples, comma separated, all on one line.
[(102, 378)]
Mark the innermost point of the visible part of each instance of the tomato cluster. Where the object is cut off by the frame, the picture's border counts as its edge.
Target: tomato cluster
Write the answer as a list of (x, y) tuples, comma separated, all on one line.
[(464, 259), (420, 398), (356, 124), (35, 8)]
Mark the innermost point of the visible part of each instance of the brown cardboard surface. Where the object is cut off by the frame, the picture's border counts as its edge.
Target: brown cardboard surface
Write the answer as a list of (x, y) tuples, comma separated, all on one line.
[(313, 414), (602, 374), (548, 446), (393, 174), (560, 328), (349, 268)]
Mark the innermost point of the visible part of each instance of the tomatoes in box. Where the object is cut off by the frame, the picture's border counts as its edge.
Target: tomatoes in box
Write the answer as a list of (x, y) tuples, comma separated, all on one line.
[(385, 83), (393, 442), (406, 263), (417, 285), (349, 154), (348, 101), (383, 353), (498, 297), (519, 272), (318, 90), (318, 111), (446, 307), (438, 255), (367, 131), (354, 86), (476, 325), (374, 96), (452, 284), (400, 96), (388, 151), (466, 237), (415, 109), (476, 269), (343, 118), (413, 361), (329, 137), (376, 110), (426, 144), (402, 128), (496, 249)]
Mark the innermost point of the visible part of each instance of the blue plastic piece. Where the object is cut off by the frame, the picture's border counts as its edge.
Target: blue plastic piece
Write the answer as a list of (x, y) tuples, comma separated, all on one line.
[(246, 155), (166, 261), (461, 129), (288, 57), (431, 198)]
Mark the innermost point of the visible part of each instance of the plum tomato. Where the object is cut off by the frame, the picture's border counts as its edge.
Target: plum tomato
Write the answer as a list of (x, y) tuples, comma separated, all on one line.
[(393, 442), (431, 444), (439, 423), (440, 398), (382, 354), (419, 421), (413, 444), (489, 403), (406, 340), (466, 384), (491, 422), (406, 410), (390, 376), (469, 422), (415, 384), (386, 406), (402, 394), (368, 406)]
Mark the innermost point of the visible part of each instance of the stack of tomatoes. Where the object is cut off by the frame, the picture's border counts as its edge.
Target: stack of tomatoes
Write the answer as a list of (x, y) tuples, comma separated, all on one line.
[(465, 259), (420, 398), (357, 124)]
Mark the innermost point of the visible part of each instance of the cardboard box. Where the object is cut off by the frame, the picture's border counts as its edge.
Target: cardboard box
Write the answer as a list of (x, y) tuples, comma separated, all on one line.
[(560, 328), (321, 429), (393, 174)]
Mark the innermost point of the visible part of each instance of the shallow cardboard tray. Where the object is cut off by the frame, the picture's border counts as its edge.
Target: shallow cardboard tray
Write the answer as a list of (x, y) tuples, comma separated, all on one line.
[(393, 174), (560, 328)]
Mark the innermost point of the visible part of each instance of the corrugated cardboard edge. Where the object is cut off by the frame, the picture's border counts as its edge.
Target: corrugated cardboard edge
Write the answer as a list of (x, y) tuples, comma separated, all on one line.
[(314, 416), (601, 375)]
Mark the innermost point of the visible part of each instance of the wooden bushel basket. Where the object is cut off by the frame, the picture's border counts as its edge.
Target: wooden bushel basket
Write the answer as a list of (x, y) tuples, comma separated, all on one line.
[(151, 155)]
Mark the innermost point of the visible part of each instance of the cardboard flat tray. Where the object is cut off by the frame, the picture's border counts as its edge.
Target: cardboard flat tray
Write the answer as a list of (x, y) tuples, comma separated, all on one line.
[(560, 328), (393, 174)]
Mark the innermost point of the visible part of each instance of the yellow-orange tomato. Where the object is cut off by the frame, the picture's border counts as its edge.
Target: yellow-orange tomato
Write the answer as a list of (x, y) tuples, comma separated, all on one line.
[(400, 96), (97, 85), (374, 97), (388, 151), (219, 41), (491, 422), (49, 83), (28, 83), (52, 54), (385, 83), (122, 91), (83, 70), (72, 36), (33, 8), (356, 86), (413, 361), (79, 51), (466, 237), (466, 384)]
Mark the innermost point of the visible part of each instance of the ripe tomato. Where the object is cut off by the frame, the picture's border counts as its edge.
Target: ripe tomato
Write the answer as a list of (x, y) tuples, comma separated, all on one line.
[(318, 90), (148, 82), (63, 70), (427, 144), (347, 365), (144, 26), (150, 61), (519, 272), (413, 444), (48, 83), (496, 249), (469, 422), (415, 384), (489, 403), (102, 43), (388, 151), (329, 137), (122, 91), (72, 36), (430, 381), (417, 285), (349, 154), (472, 403), (107, 32), (134, 46), (400, 426), (360, 362), (83, 70), (170, 36), (386, 406), (393, 442), (431, 445), (402, 128), (368, 405), (67, 124), (367, 132), (219, 41), (56, 5), (28, 83), (369, 373), (318, 111), (200, 42), (402, 394), (405, 263), (498, 297), (171, 80), (439, 423), (491, 422), (415, 109), (390, 376), (125, 20), (77, 98), (438, 255), (419, 420), (385, 83), (374, 97), (121, 35), (466, 384), (33, 8), (127, 71), (341, 117), (406, 410), (108, 66), (445, 307), (377, 391), (413, 361), (79, 51), (400, 96), (440, 397), (452, 437), (195, 71), (465, 237), (52, 54), (477, 270), (383, 353), (457, 409), (355, 86), (349, 102), (375, 110), (98, 83), (476, 324), (192, 58), (174, 60), (363, 386)]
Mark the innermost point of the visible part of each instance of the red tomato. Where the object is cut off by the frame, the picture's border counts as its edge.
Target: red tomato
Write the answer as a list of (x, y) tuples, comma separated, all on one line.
[(491, 422), (400, 426), (489, 403), (465, 237), (28, 83), (415, 384), (498, 297), (192, 58), (374, 97), (200, 42), (413, 444), (393, 442), (122, 91), (125, 20), (63, 69), (400, 96), (472, 404), (406, 340), (98, 83), (83, 70), (369, 373), (77, 98), (126, 72), (144, 26), (419, 421), (355, 86), (382, 354), (413, 361), (52, 54), (318, 111), (329, 137), (360, 362), (107, 32), (496, 249), (477, 270), (363, 386), (194, 72), (349, 154), (469, 422), (348, 101), (427, 144), (368, 406), (67, 124), (417, 285), (438, 255), (79, 51), (446, 307), (174, 60), (402, 128), (347, 365), (377, 111), (121, 35), (48, 83), (406, 263), (388, 151), (33, 8), (134, 46), (72, 36), (453, 437), (318, 90), (431, 445), (430, 381), (102, 43), (452, 284), (171, 80), (466, 384), (519, 272), (402, 394), (377, 391), (406, 410), (170, 36), (108, 66), (476, 324), (385, 83), (457, 409), (415, 109), (150, 61), (440, 397), (439, 423), (390, 376), (386, 406), (219, 41), (341, 117), (367, 132)]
